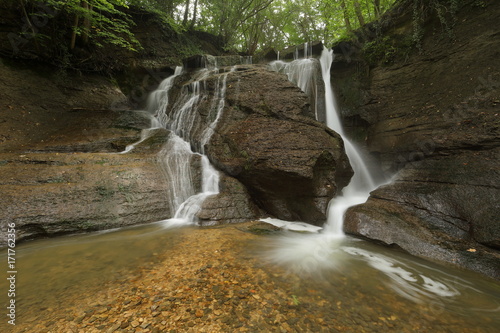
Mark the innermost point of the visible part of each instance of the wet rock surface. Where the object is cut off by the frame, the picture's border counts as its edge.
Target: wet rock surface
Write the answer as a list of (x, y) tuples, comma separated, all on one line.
[(64, 173), (267, 139), (434, 119), (232, 205), (47, 194)]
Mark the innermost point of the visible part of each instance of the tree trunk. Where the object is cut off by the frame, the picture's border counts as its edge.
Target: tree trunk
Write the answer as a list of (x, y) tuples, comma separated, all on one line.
[(86, 22), (376, 6), (186, 13), (359, 14), (346, 16), (169, 7), (32, 28), (73, 35), (193, 21)]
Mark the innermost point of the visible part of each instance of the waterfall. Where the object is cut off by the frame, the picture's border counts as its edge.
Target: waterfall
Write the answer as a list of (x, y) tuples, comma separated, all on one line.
[(216, 108), (362, 182), (190, 176), (299, 71), (302, 72), (177, 158), (155, 100)]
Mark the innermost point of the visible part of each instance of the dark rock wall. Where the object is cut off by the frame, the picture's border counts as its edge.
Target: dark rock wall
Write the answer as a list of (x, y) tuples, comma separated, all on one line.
[(433, 120)]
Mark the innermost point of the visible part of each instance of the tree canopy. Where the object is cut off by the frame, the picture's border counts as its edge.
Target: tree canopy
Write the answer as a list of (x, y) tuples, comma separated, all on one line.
[(243, 25), (249, 25)]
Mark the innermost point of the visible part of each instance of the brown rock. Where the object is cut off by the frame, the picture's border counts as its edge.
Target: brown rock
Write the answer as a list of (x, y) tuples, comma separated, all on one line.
[(267, 139)]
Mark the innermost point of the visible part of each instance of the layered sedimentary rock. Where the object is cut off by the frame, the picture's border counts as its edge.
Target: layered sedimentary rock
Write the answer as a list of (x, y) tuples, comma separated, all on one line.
[(63, 170), (433, 120)]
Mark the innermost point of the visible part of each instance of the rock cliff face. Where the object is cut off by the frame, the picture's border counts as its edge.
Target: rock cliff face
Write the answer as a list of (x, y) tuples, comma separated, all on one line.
[(62, 170), (433, 120)]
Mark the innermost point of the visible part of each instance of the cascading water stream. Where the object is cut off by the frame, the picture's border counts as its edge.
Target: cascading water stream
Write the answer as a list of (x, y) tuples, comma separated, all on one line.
[(155, 100), (187, 188), (178, 158), (302, 72), (362, 182), (330, 249)]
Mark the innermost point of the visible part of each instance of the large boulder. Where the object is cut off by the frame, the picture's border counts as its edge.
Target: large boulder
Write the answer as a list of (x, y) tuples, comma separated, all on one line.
[(451, 217), (267, 138), (258, 129)]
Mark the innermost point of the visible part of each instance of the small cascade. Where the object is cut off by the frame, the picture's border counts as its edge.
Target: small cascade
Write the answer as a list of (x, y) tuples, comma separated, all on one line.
[(155, 100), (303, 73), (187, 210), (159, 97), (190, 175), (307, 50), (216, 108), (176, 159), (300, 72), (210, 62)]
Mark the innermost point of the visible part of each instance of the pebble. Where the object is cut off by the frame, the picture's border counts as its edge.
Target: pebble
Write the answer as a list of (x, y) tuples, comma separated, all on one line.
[(113, 328)]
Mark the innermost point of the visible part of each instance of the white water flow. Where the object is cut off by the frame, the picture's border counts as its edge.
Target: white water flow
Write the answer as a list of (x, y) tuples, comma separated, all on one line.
[(155, 100), (317, 253), (190, 175), (362, 182)]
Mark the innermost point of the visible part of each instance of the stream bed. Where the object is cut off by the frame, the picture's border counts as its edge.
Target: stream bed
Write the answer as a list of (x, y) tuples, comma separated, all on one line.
[(343, 284)]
